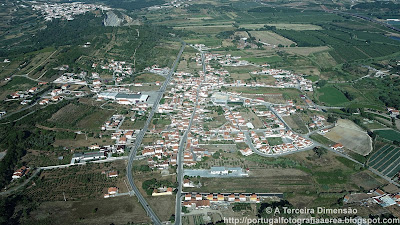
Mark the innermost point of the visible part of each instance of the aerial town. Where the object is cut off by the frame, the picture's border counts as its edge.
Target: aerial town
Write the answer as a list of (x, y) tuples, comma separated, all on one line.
[(193, 112)]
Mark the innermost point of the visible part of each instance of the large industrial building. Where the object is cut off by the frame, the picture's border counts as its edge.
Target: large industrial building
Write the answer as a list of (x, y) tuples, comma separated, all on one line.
[(123, 98)]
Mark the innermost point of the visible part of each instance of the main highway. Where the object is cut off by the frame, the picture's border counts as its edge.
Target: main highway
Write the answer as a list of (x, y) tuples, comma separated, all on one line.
[(182, 144), (139, 138)]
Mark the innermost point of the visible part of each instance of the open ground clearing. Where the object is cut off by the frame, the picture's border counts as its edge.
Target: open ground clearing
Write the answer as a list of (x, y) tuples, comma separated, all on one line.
[(118, 210), (306, 51), (351, 136), (296, 123), (270, 38)]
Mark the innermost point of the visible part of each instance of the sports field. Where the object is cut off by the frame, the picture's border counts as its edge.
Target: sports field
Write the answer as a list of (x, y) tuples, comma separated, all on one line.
[(386, 160)]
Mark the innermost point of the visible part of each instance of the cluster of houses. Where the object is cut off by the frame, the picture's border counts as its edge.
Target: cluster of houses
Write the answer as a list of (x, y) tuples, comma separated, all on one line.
[(170, 4), (199, 201), (295, 143), (120, 69), (189, 91), (317, 122), (285, 79), (271, 121), (237, 120), (65, 10), (113, 123), (384, 199), (122, 137), (55, 94), (59, 94), (25, 94), (393, 111), (287, 110), (376, 196), (157, 70), (20, 172), (72, 78)]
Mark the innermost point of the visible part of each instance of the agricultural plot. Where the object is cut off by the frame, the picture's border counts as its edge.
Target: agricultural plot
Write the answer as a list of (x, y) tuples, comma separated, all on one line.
[(148, 78), (78, 116), (351, 136), (77, 182), (284, 26), (306, 51), (270, 38), (331, 96), (213, 29), (119, 210), (262, 60), (386, 160), (391, 135)]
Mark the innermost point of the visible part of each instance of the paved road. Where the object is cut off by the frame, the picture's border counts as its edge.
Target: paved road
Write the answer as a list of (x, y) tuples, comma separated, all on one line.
[(182, 144), (139, 139)]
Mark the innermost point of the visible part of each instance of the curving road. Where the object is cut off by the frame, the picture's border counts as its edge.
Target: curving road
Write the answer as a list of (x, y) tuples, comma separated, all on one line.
[(139, 139)]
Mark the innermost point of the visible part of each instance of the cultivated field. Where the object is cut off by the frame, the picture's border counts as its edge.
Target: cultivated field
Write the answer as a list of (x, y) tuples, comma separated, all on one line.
[(148, 78), (283, 26), (270, 38), (386, 160), (206, 29), (306, 51), (79, 116), (77, 182), (391, 135), (351, 136), (331, 96)]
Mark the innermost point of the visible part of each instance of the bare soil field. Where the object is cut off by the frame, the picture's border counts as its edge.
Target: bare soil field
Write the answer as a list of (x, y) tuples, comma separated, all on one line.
[(271, 38), (305, 51), (118, 210), (351, 136)]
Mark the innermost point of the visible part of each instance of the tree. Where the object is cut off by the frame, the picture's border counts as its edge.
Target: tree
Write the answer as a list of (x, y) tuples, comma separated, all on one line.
[(321, 83), (331, 119), (319, 151)]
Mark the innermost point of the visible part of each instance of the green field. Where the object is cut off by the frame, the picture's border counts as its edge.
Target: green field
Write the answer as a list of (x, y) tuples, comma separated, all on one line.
[(386, 160), (275, 141), (332, 96), (272, 59), (391, 135)]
